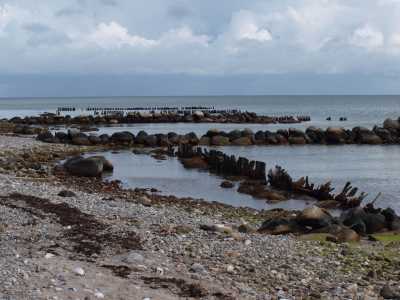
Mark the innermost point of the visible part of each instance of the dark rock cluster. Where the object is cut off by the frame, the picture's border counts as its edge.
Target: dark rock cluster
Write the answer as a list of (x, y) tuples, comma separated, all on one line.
[(158, 117)]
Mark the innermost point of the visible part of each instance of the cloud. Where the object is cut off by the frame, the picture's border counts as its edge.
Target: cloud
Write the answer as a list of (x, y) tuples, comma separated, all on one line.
[(367, 37), (206, 37), (113, 35)]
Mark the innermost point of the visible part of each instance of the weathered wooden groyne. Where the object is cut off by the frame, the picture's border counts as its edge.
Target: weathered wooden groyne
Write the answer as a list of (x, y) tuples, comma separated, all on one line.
[(223, 164), (258, 185)]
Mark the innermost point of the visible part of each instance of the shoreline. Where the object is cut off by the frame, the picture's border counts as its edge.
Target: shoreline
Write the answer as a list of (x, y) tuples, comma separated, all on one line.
[(180, 251)]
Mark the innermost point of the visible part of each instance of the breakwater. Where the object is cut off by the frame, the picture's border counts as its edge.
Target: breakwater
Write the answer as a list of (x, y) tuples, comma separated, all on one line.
[(114, 117), (388, 134)]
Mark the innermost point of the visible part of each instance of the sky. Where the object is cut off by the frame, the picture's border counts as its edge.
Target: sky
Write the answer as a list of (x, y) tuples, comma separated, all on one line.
[(188, 47)]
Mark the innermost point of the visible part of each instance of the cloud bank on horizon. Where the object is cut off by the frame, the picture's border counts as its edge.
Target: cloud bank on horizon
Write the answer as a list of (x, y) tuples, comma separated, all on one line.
[(200, 37)]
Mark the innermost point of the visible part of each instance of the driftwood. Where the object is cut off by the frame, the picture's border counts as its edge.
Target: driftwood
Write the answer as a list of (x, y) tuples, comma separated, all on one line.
[(347, 198), (278, 178)]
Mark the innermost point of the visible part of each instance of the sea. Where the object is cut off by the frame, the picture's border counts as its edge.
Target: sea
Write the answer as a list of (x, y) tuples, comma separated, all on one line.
[(373, 169)]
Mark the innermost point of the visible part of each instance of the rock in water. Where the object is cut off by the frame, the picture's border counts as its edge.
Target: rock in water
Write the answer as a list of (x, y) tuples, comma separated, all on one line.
[(85, 167)]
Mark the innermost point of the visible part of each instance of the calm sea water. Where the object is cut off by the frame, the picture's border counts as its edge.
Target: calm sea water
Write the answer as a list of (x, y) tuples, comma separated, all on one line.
[(360, 110), (371, 168)]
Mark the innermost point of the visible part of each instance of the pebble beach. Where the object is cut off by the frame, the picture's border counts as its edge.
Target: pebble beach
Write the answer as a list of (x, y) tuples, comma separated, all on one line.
[(129, 244)]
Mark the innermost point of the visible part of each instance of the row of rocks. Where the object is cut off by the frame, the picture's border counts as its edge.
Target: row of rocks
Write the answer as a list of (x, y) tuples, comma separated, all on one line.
[(389, 134), (352, 224), (159, 117), (124, 138)]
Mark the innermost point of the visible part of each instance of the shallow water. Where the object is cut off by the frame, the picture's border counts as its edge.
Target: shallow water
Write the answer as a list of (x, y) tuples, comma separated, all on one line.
[(371, 168)]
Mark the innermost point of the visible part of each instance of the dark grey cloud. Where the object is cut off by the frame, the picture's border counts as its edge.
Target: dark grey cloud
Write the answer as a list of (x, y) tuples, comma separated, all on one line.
[(179, 11), (68, 11), (36, 28)]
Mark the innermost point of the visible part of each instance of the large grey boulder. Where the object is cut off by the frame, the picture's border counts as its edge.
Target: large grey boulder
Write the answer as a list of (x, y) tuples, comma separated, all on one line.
[(87, 167)]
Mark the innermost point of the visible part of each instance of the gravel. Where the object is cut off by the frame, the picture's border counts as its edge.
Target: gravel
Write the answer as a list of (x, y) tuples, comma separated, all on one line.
[(176, 259)]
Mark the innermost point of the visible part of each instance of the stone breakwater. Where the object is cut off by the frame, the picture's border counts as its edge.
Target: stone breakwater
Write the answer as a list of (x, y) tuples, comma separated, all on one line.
[(158, 117), (388, 134)]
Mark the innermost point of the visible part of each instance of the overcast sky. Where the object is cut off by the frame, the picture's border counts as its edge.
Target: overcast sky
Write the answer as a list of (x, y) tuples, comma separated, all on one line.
[(156, 47)]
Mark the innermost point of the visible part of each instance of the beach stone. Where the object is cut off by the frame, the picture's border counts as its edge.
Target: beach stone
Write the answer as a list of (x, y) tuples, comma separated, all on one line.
[(387, 292), (72, 132), (260, 136), (374, 222), (247, 132), (219, 141), (234, 134), (124, 138), (66, 194), (94, 139), (227, 184), (198, 114), (107, 165), (243, 141), (316, 135), (141, 137), (46, 137), (314, 217), (297, 140), (276, 226), (391, 124), (150, 140), (198, 268), (79, 271), (212, 132), (80, 139), (205, 141), (105, 138), (335, 135), (84, 167), (62, 136), (347, 235)]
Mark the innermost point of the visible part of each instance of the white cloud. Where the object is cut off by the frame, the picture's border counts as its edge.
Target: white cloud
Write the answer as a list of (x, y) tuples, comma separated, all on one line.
[(113, 35), (257, 36), (367, 37)]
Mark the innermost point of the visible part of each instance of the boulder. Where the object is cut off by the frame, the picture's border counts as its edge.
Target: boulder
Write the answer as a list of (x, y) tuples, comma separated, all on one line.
[(243, 141), (198, 114), (365, 136), (81, 140), (335, 135), (94, 139), (150, 140), (219, 141), (72, 132), (212, 132), (314, 217), (276, 226), (234, 134), (247, 132), (260, 136), (227, 184), (123, 138), (374, 222), (105, 138), (347, 235), (316, 135), (192, 138), (141, 137), (392, 125), (107, 165), (297, 140), (85, 167), (62, 136), (46, 137), (205, 141), (384, 134)]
